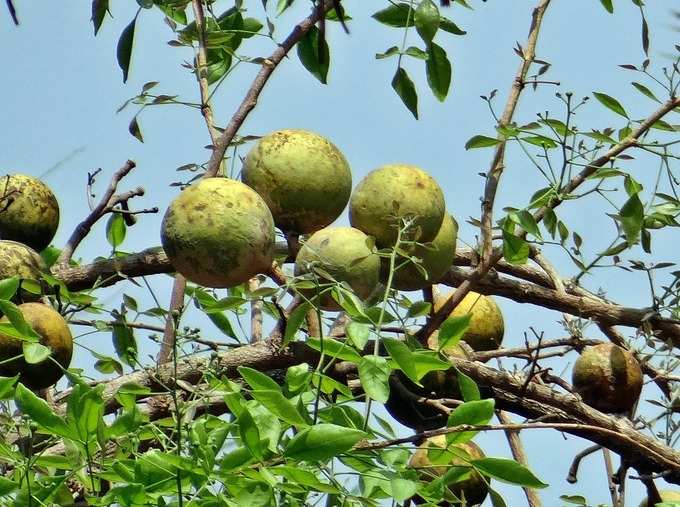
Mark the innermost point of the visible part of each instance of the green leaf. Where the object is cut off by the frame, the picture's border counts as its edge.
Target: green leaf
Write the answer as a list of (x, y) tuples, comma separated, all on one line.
[(528, 223), (124, 50), (452, 330), (8, 287), (447, 25), (418, 309), (40, 412), (468, 387), (23, 330), (611, 103), (632, 215), (515, 249), (416, 53), (507, 470), (280, 406), (99, 10), (250, 435), (7, 486), (314, 58), (403, 356), (438, 70), (608, 5), (322, 442), (374, 374), (257, 380), (7, 386), (35, 353), (481, 142), (631, 185), (426, 18), (477, 412), (392, 51), (115, 230), (125, 344), (134, 130), (645, 91), (335, 349), (358, 334), (396, 15), (402, 488), (402, 84), (294, 322)]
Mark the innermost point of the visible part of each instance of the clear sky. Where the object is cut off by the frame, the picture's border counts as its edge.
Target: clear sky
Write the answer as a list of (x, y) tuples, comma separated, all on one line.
[(61, 87)]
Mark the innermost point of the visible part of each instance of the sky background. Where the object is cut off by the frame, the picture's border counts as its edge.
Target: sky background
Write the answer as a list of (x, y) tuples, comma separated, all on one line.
[(61, 87)]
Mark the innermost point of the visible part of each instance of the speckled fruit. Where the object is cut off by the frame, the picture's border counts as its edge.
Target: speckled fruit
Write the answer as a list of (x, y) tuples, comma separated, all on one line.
[(436, 259), (304, 179), (671, 497), (474, 489), (344, 253), (608, 378), (29, 212), (486, 320), (396, 191), (20, 260), (54, 333), (218, 233)]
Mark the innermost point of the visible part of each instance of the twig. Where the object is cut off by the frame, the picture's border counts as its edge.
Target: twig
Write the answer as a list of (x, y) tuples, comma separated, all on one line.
[(549, 269), (572, 476), (174, 312), (520, 456), (256, 306), (105, 204), (250, 101), (492, 179), (616, 501)]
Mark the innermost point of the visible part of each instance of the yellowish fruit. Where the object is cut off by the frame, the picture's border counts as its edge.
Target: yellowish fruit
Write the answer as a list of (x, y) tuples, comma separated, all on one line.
[(608, 378), (17, 259), (669, 497), (344, 253), (486, 321), (29, 211), (436, 259), (218, 233), (474, 489), (302, 176), (392, 193), (54, 334)]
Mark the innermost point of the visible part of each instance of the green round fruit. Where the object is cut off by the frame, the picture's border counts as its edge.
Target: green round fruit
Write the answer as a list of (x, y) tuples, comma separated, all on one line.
[(473, 489), (218, 233), (302, 176), (436, 259), (344, 253), (671, 497), (29, 212), (608, 378), (392, 193), (54, 334), (486, 328)]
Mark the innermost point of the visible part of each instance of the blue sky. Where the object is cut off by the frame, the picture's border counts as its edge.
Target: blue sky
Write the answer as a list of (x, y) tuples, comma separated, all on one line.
[(61, 87)]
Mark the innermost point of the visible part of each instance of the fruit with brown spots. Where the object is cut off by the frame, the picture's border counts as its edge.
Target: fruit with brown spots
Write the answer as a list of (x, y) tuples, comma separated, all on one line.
[(54, 333), (17, 259), (394, 193), (608, 378), (486, 328), (302, 176), (29, 211), (669, 498), (345, 255), (218, 233), (432, 462), (436, 257)]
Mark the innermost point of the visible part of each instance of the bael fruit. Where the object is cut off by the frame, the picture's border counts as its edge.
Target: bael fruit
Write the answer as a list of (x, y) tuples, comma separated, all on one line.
[(302, 176), (671, 497), (29, 211), (486, 321), (473, 489), (54, 333), (218, 233), (396, 191), (17, 259), (607, 377), (436, 259), (344, 253)]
